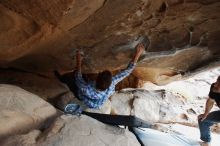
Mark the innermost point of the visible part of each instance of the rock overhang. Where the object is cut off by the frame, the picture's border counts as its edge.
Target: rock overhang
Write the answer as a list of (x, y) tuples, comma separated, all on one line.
[(42, 36)]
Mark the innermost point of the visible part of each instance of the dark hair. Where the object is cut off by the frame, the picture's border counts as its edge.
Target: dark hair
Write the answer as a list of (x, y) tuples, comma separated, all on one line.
[(103, 80)]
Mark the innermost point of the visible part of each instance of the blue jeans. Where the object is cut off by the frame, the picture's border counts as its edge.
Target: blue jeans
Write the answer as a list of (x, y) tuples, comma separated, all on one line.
[(204, 126)]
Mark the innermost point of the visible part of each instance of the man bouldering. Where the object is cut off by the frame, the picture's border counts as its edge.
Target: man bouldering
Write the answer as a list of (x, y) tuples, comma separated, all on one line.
[(94, 94)]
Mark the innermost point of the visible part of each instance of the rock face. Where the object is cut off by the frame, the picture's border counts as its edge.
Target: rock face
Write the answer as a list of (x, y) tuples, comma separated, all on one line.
[(42, 86), (76, 131), (151, 106), (22, 110), (40, 36), (195, 92)]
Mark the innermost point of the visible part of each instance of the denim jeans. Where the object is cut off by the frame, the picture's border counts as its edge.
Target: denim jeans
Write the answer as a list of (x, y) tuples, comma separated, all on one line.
[(204, 126)]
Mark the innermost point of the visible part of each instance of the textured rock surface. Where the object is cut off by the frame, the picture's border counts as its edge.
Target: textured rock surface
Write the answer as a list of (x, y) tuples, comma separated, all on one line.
[(195, 91), (151, 106), (22, 110), (181, 104), (121, 103), (40, 85), (41, 36), (76, 131)]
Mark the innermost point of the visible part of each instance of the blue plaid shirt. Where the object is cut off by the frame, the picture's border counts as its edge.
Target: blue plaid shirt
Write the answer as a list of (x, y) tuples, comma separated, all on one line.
[(93, 98)]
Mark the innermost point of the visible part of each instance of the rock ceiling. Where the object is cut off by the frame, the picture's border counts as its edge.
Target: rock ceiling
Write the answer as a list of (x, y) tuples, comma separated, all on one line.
[(42, 35)]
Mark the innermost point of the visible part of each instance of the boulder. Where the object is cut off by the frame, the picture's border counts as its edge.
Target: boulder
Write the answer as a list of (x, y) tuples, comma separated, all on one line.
[(76, 131), (22, 110), (42, 86), (121, 103), (152, 106)]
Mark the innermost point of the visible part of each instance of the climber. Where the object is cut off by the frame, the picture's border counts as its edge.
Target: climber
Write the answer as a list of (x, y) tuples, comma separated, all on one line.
[(208, 118), (94, 94)]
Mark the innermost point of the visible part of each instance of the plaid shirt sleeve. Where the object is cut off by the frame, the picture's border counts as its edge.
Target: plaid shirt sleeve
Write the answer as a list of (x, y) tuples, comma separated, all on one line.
[(121, 75), (79, 80)]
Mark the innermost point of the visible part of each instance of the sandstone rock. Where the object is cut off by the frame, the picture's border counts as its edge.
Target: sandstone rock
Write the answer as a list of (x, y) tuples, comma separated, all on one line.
[(42, 86), (78, 131), (121, 103), (151, 106), (179, 63), (85, 130), (146, 109), (22, 110), (129, 82), (191, 93), (15, 30), (44, 36), (158, 106), (158, 76), (22, 140)]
